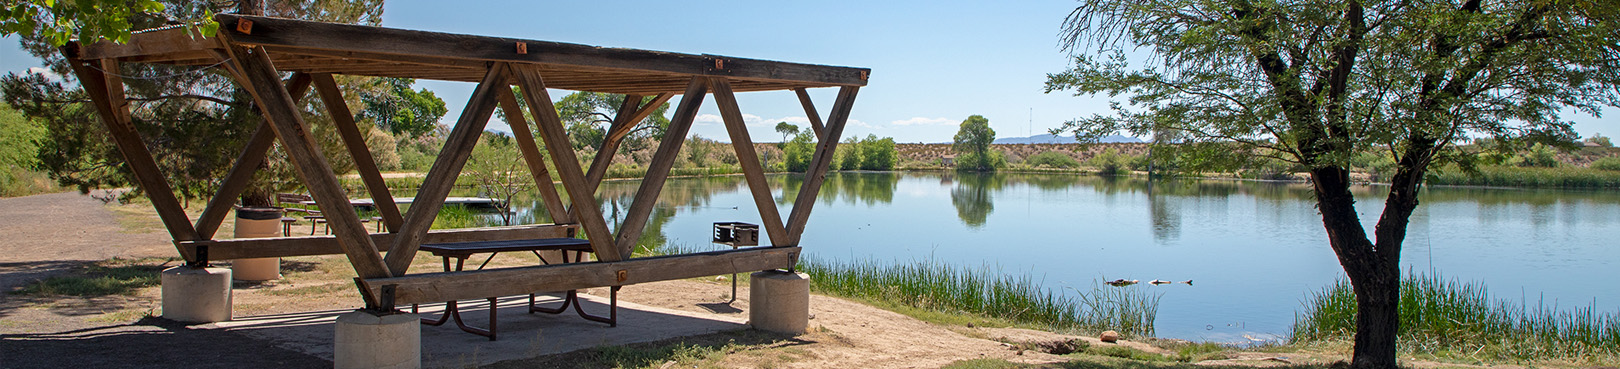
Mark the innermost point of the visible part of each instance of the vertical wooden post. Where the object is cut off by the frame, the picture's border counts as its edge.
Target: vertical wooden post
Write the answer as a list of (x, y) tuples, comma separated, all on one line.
[(587, 213), (749, 160), (531, 155), (810, 112), (259, 77), (442, 177), (356, 143), (106, 91), (241, 174), (658, 171), (819, 162)]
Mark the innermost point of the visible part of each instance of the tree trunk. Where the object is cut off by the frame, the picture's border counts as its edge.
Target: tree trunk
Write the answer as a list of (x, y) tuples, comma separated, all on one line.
[(1377, 317), (1374, 273)]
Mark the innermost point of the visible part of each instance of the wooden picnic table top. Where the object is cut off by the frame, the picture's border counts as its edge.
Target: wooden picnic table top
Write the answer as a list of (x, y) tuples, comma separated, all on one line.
[(463, 249)]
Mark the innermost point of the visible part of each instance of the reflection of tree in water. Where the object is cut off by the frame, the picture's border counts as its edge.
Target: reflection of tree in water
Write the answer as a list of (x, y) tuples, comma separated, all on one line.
[(972, 199), (1166, 218), (870, 188)]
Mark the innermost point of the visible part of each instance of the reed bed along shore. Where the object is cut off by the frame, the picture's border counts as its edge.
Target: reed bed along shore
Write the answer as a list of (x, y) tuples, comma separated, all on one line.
[(988, 292), (1529, 177), (1447, 317)]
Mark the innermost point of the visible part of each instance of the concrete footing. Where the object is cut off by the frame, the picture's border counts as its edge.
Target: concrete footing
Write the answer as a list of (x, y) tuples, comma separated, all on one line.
[(779, 301), (196, 295), (364, 340)]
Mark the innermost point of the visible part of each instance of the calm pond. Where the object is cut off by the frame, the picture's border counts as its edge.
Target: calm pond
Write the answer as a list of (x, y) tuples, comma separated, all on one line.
[(1254, 250)]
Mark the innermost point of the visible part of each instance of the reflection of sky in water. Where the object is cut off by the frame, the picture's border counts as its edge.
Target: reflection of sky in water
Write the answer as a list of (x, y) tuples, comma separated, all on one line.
[(1253, 250)]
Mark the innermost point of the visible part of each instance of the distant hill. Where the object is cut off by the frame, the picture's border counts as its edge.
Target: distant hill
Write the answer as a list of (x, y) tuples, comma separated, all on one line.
[(1055, 139)]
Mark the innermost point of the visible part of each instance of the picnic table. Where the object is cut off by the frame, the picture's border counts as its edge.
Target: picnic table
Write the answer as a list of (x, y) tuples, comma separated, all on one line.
[(461, 251)]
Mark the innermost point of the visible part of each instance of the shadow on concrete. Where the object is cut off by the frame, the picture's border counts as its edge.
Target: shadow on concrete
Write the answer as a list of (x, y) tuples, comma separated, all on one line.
[(521, 335), (148, 343), (720, 308)]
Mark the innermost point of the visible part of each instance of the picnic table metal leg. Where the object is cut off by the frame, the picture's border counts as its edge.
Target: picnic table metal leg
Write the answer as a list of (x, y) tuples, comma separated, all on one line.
[(452, 312)]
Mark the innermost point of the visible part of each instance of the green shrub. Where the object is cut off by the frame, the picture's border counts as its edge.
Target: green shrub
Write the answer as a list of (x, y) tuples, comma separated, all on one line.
[(878, 154), (1539, 156), (1052, 159), (972, 162), (1109, 162), (1611, 163)]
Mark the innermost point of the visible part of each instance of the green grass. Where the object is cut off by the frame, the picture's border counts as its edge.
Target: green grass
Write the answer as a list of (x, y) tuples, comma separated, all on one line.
[(1531, 177), (1453, 319), (987, 292), (109, 277)]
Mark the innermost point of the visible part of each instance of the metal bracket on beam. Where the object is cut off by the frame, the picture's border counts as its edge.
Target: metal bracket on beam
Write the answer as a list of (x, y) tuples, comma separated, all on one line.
[(715, 65), (200, 258)]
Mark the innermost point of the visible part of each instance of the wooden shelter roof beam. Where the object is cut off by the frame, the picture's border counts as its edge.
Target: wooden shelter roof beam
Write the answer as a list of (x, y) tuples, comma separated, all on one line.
[(448, 286), (550, 125), (241, 174), (531, 156), (106, 92), (748, 159), (820, 162), (259, 79), (658, 171), (810, 113), (356, 143), (330, 36), (442, 177)]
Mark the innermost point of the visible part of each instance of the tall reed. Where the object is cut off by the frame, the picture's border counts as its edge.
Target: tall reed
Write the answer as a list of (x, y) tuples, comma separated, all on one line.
[(988, 292), (1506, 176), (1445, 315)]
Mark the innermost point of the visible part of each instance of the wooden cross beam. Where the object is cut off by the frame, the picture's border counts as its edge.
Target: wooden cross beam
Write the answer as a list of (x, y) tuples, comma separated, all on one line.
[(658, 171), (623, 123), (820, 161), (258, 76), (448, 286), (106, 90), (545, 115), (356, 143), (531, 156), (241, 174), (726, 100), (442, 177), (810, 112)]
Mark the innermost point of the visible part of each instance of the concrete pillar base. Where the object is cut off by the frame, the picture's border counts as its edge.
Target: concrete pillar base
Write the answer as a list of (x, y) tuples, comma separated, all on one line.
[(196, 295), (779, 301), (364, 340)]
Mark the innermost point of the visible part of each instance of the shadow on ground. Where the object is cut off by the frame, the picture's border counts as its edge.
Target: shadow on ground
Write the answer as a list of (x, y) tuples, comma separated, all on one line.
[(147, 343)]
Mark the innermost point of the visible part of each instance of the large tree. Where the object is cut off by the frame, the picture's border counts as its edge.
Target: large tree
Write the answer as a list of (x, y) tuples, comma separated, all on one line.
[(195, 120), (1315, 82), (972, 141)]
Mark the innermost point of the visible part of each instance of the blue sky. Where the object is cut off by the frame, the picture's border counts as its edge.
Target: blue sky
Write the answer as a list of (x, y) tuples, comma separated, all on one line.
[(933, 64)]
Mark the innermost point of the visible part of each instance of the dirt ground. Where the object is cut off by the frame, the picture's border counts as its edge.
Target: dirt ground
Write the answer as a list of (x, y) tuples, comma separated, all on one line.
[(56, 234)]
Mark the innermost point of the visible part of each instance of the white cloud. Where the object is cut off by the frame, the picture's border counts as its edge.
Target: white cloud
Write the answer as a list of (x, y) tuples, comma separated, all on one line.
[(922, 121), (46, 72), (708, 119)]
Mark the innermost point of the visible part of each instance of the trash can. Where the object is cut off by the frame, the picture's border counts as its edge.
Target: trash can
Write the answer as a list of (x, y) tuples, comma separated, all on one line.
[(257, 223)]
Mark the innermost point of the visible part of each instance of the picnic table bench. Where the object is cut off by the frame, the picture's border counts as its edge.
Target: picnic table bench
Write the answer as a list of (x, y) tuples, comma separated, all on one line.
[(461, 251)]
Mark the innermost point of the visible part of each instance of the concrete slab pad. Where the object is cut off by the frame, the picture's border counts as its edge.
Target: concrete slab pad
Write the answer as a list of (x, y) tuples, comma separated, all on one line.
[(522, 335)]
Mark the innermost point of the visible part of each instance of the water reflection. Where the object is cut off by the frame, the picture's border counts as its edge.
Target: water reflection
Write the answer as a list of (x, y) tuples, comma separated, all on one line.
[(1256, 248), (971, 196)]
